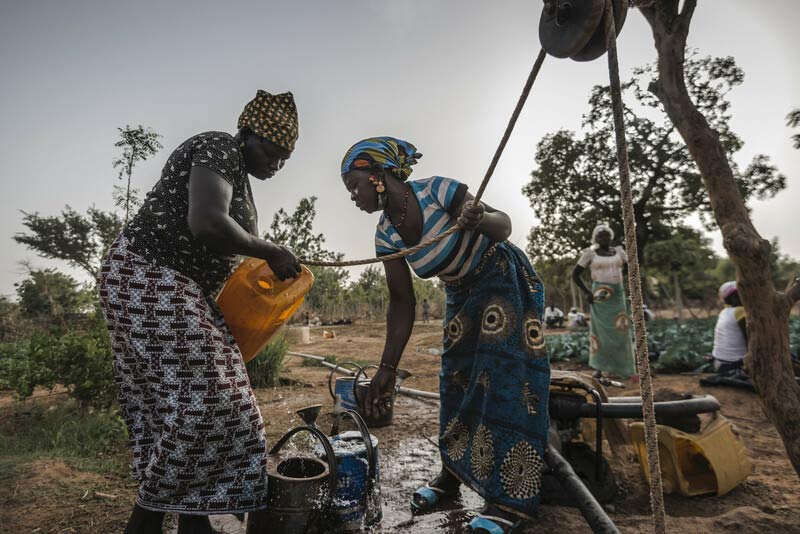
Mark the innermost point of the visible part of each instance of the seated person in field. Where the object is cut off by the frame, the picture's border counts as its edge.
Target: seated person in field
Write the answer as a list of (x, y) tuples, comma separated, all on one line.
[(576, 319), (730, 333), (553, 317)]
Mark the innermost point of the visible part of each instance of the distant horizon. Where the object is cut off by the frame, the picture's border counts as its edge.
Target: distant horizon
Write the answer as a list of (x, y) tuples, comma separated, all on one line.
[(445, 79)]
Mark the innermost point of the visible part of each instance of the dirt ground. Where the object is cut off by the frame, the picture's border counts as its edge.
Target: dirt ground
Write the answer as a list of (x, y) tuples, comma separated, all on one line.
[(55, 497)]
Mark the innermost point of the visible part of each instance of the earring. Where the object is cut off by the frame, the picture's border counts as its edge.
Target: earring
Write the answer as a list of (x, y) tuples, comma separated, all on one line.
[(379, 187), (381, 201)]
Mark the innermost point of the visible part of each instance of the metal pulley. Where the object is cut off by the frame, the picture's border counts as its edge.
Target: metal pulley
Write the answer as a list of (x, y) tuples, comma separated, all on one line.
[(576, 29)]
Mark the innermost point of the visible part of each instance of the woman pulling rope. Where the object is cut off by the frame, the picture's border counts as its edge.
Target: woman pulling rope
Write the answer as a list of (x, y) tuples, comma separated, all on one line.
[(495, 370)]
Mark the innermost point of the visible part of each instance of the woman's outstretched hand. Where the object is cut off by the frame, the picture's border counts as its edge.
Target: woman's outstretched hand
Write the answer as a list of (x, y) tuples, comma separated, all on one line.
[(379, 397), (471, 215)]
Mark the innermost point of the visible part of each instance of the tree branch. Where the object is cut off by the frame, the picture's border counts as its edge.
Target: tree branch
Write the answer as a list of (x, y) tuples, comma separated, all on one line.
[(792, 291)]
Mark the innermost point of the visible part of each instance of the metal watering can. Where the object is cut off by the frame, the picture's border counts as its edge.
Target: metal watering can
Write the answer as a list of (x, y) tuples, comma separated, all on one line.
[(350, 393), (300, 489), (357, 501)]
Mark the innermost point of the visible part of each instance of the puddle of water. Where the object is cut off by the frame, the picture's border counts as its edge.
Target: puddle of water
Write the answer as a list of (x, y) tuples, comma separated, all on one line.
[(403, 470)]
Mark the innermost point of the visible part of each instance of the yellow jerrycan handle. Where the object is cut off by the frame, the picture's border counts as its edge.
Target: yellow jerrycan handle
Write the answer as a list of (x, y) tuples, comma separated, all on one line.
[(256, 304), (262, 277)]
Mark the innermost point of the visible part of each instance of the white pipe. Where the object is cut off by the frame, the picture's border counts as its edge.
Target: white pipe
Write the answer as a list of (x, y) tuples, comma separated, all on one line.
[(405, 391)]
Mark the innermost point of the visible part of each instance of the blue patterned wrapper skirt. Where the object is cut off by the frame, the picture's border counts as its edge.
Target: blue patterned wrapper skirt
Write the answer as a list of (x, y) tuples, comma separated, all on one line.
[(494, 381)]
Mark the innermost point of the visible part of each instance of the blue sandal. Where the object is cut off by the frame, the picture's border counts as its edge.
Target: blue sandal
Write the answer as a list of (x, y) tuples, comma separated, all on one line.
[(430, 496), (492, 524)]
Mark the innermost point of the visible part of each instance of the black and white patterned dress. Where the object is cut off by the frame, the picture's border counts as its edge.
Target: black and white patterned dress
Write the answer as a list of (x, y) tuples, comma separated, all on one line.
[(194, 425)]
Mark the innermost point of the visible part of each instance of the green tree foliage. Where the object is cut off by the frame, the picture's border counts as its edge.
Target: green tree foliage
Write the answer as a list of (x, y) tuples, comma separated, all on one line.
[(369, 294), (370, 289), (688, 252), (50, 296), (782, 267), (80, 361), (83, 239), (557, 274), (80, 240), (431, 290), (296, 231), (793, 121), (575, 183), (137, 144), (10, 319)]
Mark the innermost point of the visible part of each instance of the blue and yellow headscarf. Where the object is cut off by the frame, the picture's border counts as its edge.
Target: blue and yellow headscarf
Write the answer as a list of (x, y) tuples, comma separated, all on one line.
[(386, 152)]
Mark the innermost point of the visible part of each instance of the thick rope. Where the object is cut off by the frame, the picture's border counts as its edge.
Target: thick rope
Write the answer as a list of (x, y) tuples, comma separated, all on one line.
[(634, 281), (489, 172)]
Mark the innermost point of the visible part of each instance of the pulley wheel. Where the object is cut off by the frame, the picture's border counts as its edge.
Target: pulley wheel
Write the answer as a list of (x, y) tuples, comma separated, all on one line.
[(566, 26), (598, 44)]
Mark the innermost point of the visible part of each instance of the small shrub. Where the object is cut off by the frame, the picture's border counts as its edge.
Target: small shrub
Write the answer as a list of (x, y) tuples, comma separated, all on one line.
[(24, 365), (574, 345), (80, 361), (85, 366), (264, 370)]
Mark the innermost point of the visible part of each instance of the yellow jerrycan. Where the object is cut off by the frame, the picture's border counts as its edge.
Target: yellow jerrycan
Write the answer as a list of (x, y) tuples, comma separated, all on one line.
[(255, 303)]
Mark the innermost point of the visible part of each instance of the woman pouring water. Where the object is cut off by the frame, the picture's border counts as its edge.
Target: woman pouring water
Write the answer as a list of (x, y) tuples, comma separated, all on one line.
[(495, 371), (196, 432)]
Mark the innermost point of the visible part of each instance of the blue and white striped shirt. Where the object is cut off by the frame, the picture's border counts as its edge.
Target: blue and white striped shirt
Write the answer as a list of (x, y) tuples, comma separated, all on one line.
[(449, 259)]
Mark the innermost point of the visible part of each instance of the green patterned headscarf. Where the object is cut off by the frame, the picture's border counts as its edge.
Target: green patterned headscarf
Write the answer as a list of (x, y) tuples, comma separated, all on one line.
[(385, 152)]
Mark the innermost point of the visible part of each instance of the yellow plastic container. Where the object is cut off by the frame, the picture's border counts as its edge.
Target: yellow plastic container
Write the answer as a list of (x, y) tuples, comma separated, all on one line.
[(711, 461), (255, 303)]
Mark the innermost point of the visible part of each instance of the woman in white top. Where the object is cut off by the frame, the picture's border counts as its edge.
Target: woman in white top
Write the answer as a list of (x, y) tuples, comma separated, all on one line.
[(610, 348), (730, 332)]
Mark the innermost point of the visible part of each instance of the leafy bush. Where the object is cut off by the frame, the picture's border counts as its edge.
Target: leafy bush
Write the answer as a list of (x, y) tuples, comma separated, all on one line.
[(265, 369), (85, 366), (680, 346), (80, 361), (574, 345), (24, 365)]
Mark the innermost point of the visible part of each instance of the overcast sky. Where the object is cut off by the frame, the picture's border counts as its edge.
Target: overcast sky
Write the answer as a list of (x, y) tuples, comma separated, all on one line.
[(443, 74)]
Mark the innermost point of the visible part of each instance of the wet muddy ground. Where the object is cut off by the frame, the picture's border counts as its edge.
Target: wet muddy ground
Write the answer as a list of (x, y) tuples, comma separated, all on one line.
[(52, 496), (769, 501)]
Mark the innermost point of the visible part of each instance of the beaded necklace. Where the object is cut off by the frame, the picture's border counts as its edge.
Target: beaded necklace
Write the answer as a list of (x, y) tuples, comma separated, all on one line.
[(403, 213)]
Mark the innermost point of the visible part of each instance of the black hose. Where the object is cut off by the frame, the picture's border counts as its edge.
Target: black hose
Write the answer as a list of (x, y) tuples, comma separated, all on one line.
[(591, 510), (598, 446), (617, 409)]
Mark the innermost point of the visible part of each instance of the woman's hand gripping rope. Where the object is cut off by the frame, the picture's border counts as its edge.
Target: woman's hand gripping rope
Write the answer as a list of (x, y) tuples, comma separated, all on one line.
[(471, 215)]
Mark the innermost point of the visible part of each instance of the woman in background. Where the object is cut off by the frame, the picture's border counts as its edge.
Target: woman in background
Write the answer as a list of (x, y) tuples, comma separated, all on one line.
[(610, 348)]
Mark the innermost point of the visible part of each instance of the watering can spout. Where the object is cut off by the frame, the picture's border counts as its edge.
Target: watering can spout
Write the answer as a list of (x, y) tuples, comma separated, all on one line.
[(402, 375), (309, 414)]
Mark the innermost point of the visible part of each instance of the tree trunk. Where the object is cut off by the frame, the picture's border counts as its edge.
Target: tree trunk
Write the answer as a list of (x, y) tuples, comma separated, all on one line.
[(678, 297), (768, 359)]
